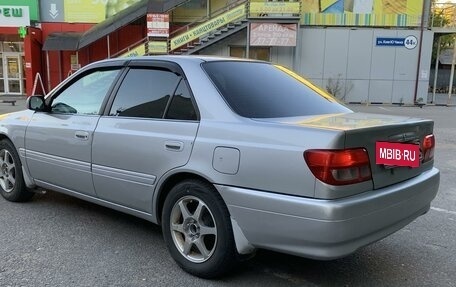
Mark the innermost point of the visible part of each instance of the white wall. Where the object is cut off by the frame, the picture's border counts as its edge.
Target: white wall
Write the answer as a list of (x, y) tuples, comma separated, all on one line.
[(366, 72)]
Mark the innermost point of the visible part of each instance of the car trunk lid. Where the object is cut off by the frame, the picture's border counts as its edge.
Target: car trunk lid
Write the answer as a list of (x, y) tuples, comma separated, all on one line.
[(366, 130)]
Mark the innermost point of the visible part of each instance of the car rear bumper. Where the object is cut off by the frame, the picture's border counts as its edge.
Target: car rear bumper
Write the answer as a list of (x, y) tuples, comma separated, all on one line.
[(328, 229)]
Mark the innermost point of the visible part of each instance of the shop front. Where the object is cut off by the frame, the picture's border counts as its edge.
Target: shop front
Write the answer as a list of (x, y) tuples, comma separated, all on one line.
[(15, 19)]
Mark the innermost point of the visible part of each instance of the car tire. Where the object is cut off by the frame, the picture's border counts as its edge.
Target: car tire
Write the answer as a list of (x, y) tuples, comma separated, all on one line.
[(197, 229), (12, 185)]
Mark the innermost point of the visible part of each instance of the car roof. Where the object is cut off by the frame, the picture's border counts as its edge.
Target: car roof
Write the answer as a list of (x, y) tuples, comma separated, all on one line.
[(173, 58)]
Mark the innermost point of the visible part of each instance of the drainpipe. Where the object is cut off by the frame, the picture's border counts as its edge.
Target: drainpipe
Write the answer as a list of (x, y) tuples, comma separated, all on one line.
[(48, 72), (247, 46), (436, 69), (450, 84), (109, 49), (424, 17)]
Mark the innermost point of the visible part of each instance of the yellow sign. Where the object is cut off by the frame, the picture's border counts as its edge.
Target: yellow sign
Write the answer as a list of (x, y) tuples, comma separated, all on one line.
[(88, 11), (158, 47), (139, 50), (209, 26), (84, 11), (275, 7)]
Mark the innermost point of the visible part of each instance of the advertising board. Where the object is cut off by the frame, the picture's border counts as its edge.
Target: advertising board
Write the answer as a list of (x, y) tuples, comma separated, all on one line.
[(158, 25), (273, 34), (382, 13)]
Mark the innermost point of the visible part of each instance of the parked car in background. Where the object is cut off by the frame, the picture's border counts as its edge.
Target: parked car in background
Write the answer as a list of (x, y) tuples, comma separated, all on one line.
[(227, 155)]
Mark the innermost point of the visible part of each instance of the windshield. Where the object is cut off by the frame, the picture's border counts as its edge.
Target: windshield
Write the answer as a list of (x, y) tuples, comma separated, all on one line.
[(262, 90)]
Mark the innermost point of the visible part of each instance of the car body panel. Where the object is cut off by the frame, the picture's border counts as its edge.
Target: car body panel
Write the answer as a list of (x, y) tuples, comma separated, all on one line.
[(129, 154), (328, 229), (59, 150)]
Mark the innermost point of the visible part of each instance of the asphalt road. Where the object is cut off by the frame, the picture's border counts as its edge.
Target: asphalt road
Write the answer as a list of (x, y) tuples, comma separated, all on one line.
[(56, 240)]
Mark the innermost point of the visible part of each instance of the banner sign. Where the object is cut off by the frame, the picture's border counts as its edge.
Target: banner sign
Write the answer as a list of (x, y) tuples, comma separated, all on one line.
[(287, 8), (158, 47), (14, 16), (273, 34), (209, 26), (139, 50), (382, 13), (158, 25)]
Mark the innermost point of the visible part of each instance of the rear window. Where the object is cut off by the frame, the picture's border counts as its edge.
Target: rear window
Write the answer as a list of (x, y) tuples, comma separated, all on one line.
[(262, 90)]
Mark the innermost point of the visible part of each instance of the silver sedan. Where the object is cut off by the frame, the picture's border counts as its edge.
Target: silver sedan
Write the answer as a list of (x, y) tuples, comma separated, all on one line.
[(227, 155)]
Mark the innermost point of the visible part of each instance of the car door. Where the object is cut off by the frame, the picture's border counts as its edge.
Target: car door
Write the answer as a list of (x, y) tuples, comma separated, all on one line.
[(59, 142), (148, 130)]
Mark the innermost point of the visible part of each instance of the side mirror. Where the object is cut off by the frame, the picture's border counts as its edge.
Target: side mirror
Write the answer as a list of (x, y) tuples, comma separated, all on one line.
[(35, 103)]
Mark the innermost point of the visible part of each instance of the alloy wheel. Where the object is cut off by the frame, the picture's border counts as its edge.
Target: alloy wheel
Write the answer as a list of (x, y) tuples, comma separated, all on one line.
[(193, 229), (7, 171)]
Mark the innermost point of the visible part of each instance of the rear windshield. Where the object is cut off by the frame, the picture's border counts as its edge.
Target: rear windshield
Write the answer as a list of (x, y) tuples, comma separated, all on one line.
[(262, 90)]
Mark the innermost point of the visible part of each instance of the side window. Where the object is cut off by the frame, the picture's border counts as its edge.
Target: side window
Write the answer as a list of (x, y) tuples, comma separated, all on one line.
[(85, 96), (181, 106), (144, 93)]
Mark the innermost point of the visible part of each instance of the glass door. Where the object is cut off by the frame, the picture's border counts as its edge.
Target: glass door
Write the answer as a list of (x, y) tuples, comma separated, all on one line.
[(12, 73)]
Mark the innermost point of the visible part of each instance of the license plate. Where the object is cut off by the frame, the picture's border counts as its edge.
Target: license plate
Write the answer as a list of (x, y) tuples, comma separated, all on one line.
[(397, 154)]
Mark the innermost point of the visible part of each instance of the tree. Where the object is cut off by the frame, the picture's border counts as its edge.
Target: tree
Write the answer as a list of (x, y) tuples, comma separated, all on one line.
[(440, 16)]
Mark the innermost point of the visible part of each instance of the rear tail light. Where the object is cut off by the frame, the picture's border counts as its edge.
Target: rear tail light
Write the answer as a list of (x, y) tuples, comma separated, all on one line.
[(339, 167), (428, 147)]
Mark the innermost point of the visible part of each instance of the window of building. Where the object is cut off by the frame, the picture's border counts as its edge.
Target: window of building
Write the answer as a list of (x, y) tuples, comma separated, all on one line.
[(257, 53), (11, 47)]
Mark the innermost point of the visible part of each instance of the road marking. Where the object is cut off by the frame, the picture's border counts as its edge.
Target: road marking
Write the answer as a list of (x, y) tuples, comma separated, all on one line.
[(443, 210), (384, 109)]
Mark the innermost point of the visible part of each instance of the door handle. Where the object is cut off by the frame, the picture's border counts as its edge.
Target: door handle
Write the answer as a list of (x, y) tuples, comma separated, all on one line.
[(174, 145), (82, 135)]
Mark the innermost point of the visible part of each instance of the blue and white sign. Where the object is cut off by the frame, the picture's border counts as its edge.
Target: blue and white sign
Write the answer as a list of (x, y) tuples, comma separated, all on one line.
[(410, 42)]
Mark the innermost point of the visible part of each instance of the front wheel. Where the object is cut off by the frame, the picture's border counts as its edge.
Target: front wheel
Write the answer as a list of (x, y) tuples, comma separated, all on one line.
[(12, 186), (197, 229)]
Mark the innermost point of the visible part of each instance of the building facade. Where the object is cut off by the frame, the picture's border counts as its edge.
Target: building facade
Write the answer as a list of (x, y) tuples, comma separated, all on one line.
[(362, 51)]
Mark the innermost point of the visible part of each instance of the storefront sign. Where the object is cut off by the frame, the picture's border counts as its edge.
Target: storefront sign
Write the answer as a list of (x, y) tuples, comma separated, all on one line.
[(209, 26), (139, 50), (158, 47), (31, 4), (275, 8), (410, 42), (273, 34), (14, 16), (158, 25)]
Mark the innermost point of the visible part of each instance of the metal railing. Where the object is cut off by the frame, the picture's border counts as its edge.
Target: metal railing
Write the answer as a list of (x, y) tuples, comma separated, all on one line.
[(130, 47), (204, 19)]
